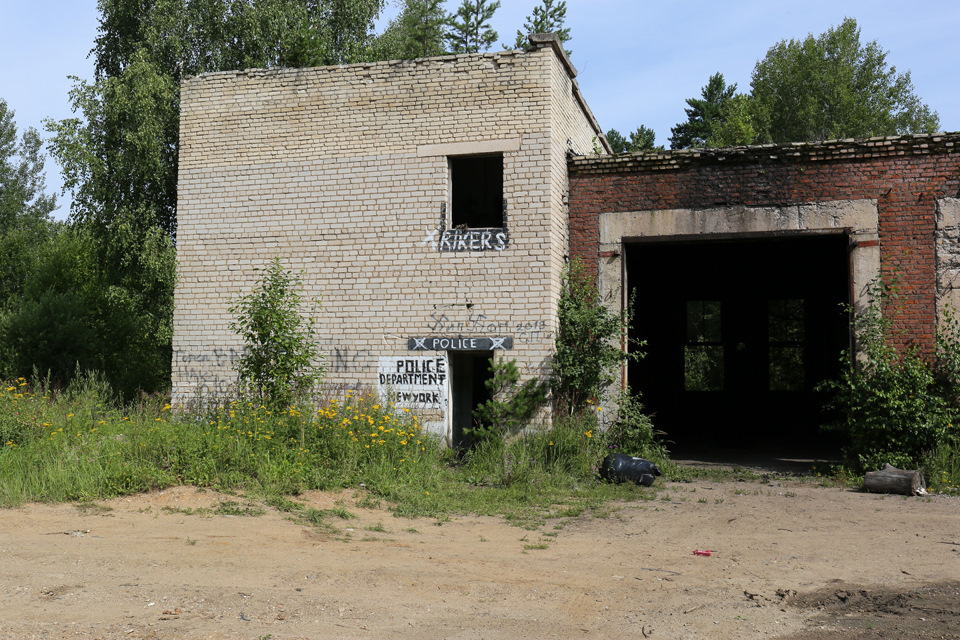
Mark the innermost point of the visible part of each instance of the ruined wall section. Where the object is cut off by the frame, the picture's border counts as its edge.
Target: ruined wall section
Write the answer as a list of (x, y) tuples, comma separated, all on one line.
[(575, 132), (906, 177), (948, 256), (343, 173)]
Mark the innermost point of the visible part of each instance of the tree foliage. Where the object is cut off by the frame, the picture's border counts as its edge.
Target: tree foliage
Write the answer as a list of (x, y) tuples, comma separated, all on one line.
[(46, 313), (702, 114), (821, 88), (831, 86), (281, 362), (547, 17), (589, 338), (120, 159), (418, 32), (469, 29), (740, 122), (22, 180), (71, 313), (642, 139)]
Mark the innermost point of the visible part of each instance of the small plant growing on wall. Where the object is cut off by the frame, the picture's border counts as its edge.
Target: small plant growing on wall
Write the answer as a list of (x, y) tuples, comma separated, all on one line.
[(589, 338), (281, 361)]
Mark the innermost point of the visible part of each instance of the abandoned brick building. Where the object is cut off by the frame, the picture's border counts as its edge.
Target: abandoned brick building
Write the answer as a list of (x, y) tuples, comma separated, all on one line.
[(424, 201), (432, 205), (744, 261)]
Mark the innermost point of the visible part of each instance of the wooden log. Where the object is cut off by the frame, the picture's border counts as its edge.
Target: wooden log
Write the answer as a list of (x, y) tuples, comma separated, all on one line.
[(893, 480)]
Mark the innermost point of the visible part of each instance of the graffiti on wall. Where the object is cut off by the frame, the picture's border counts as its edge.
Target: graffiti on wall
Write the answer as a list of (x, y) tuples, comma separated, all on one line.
[(213, 372), (465, 239), (346, 360), (413, 382), (453, 240), (527, 331), (201, 371)]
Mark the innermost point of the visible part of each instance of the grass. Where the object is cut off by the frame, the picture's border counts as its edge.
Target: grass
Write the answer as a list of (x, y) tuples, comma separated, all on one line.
[(341, 513), (77, 445)]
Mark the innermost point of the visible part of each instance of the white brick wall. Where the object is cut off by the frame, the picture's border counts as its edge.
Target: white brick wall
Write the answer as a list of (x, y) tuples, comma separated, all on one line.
[(332, 169)]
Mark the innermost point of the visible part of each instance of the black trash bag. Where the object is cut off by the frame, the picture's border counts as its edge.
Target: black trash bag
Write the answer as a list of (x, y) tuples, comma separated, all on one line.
[(618, 467)]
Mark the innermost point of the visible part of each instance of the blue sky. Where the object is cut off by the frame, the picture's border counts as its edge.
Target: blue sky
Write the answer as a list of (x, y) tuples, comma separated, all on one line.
[(637, 60)]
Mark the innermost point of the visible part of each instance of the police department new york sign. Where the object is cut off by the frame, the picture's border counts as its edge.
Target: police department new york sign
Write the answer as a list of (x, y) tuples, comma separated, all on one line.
[(413, 382)]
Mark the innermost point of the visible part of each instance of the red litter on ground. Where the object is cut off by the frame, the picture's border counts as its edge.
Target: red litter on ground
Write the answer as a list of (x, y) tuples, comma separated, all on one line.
[(702, 552)]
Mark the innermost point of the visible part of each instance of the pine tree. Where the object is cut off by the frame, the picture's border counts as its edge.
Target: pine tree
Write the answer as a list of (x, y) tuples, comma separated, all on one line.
[(703, 114), (545, 19), (422, 24), (469, 28)]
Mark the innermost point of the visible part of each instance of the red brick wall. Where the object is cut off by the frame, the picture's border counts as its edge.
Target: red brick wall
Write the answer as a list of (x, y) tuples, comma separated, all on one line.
[(905, 175)]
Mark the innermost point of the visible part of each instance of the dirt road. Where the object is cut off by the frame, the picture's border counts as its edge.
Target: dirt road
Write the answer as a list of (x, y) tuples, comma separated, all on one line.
[(793, 560)]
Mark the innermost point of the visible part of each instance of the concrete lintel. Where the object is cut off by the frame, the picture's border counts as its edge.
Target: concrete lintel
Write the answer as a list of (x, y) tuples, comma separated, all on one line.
[(859, 218), (469, 148)]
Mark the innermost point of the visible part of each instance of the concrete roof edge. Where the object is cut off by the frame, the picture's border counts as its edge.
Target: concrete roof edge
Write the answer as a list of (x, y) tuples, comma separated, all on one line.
[(790, 151), (538, 40), (543, 40)]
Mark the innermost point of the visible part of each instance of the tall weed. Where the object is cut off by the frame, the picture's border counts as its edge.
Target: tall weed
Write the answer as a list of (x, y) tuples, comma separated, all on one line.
[(894, 406), (78, 444)]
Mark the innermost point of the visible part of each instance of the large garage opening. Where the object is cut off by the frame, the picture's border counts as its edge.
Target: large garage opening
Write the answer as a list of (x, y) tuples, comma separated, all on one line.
[(739, 333)]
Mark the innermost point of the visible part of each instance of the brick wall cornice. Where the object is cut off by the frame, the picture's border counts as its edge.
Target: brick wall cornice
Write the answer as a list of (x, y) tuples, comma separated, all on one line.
[(833, 150), (360, 68)]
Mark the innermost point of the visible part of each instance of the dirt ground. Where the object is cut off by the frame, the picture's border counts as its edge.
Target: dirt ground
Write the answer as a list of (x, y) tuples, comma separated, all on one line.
[(788, 560)]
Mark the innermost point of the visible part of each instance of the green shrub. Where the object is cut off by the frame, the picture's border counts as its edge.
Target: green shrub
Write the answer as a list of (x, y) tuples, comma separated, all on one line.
[(892, 405), (510, 407), (632, 430), (280, 364), (589, 338)]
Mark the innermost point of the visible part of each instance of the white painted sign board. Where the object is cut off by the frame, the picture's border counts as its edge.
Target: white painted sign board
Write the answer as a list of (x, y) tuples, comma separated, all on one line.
[(414, 382)]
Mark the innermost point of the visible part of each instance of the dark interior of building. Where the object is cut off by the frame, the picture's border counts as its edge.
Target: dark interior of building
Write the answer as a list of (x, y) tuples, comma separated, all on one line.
[(739, 333), (469, 372)]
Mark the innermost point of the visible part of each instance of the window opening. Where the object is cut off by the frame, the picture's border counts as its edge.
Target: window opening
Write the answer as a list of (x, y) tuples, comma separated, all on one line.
[(477, 191), (703, 352), (786, 341)]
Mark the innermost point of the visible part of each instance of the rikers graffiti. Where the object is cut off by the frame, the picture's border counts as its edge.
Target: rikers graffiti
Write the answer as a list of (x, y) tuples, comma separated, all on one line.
[(454, 240)]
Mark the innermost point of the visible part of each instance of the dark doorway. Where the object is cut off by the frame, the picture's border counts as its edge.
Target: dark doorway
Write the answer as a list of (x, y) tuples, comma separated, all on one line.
[(469, 370), (739, 334)]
